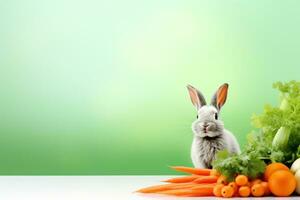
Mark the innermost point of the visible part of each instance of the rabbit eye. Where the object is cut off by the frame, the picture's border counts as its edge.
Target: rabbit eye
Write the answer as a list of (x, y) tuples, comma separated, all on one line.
[(216, 116), (197, 116)]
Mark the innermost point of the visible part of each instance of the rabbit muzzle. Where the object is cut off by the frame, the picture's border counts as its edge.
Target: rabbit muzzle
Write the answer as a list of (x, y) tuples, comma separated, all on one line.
[(205, 129), (208, 127)]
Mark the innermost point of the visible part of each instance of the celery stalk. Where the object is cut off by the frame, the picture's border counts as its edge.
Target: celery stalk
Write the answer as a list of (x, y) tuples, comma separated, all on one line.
[(284, 104), (281, 138)]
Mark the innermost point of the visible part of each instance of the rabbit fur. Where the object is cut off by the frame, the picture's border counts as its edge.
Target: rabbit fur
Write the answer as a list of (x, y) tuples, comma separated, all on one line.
[(209, 133)]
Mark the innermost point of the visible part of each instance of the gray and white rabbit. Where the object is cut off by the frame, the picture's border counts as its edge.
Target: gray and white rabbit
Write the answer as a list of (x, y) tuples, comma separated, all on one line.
[(209, 133)]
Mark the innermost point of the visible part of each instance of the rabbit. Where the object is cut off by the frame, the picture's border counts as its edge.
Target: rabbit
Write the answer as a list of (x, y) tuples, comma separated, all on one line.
[(209, 133)]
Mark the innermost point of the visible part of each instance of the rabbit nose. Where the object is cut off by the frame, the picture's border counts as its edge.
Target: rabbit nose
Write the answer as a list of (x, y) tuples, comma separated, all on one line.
[(205, 125)]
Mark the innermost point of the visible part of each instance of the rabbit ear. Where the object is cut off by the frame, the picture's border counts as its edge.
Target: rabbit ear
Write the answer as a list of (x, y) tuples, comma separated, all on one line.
[(219, 98), (197, 98)]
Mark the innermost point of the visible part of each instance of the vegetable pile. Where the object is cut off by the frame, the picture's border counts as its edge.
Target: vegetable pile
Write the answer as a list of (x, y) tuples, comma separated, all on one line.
[(277, 179), (262, 168), (276, 139)]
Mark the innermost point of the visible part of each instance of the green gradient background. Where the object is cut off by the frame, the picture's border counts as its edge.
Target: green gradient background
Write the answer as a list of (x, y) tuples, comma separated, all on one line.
[(91, 87)]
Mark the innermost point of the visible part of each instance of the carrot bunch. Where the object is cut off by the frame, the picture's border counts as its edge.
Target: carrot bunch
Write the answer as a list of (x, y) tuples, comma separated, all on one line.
[(199, 182)]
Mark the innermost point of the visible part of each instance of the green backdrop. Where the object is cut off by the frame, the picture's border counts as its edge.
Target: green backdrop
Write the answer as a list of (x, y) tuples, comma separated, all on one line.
[(98, 87)]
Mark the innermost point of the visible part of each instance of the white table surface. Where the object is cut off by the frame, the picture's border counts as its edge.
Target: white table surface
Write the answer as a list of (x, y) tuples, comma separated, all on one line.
[(83, 188)]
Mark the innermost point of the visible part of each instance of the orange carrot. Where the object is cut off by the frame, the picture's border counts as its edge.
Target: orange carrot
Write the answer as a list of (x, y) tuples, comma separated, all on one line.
[(191, 170), (183, 179), (203, 191), (200, 186), (206, 179), (158, 188), (191, 185), (177, 192), (184, 186), (155, 188)]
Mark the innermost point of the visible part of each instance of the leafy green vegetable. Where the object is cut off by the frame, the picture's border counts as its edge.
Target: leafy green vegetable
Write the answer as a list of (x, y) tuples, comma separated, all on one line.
[(286, 115), (231, 165), (298, 152), (281, 138), (281, 122), (261, 144)]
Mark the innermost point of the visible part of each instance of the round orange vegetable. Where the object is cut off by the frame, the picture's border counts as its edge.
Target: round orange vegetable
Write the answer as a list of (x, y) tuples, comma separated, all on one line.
[(241, 180), (217, 190), (255, 181), (244, 191), (227, 191), (234, 186), (222, 180), (282, 183), (257, 190), (271, 168), (266, 188)]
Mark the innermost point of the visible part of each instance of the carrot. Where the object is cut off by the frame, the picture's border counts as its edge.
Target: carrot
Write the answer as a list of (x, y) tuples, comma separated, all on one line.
[(183, 179), (206, 179), (201, 191), (184, 186), (200, 186), (158, 188), (200, 194), (155, 188), (205, 191), (191, 185), (177, 192), (191, 170)]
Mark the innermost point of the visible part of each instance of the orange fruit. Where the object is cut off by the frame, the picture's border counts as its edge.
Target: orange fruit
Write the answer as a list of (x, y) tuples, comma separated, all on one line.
[(217, 190), (222, 180), (241, 180), (271, 168), (214, 172), (244, 191), (257, 190), (227, 191), (255, 181), (266, 188), (234, 186), (282, 183)]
